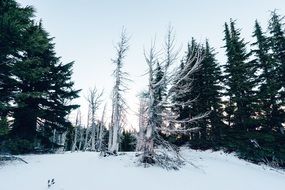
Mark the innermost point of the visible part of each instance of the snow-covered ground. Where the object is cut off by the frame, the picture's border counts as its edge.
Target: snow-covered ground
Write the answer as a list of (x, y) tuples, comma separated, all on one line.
[(88, 171)]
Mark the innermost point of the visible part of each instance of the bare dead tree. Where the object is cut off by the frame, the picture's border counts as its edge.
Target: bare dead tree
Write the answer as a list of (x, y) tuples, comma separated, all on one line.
[(154, 128), (76, 131), (118, 101), (94, 101), (142, 121), (101, 130), (81, 139)]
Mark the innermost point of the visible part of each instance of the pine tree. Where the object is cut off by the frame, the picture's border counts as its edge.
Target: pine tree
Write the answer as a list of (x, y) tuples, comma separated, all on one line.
[(14, 22), (44, 87), (35, 87), (240, 81), (277, 42), (159, 93), (4, 127), (206, 91), (185, 96), (268, 95), (210, 94), (182, 98), (127, 142)]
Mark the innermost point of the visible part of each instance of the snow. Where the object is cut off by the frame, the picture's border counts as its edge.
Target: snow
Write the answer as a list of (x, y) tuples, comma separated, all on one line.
[(89, 171)]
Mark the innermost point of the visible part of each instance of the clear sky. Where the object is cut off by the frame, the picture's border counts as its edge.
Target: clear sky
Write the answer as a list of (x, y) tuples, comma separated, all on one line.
[(85, 31)]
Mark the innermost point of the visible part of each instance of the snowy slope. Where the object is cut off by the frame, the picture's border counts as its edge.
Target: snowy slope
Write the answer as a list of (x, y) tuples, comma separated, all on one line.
[(88, 171)]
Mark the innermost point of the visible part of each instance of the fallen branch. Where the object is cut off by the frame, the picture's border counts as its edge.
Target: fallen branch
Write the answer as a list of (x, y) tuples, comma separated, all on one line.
[(11, 158)]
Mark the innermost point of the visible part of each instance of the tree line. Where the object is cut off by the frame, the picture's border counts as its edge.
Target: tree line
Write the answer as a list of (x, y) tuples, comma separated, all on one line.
[(236, 106), (245, 95)]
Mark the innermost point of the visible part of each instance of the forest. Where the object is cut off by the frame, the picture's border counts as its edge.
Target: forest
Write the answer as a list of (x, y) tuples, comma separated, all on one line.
[(237, 106)]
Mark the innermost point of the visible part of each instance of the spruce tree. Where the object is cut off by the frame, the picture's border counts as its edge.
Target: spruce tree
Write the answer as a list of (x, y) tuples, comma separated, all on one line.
[(35, 87), (14, 22), (277, 42), (240, 80), (127, 141), (44, 87), (269, 85), (210, 94), (182, 98), (186, 94), (229, 104), (206, 91), (159, 93)]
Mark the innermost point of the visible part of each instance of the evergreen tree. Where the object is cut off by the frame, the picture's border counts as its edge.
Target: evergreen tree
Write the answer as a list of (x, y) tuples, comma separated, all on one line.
[(35, 87), (270, 113), (206, 91), (277, 42), (185, 94), (210, 94), (14, 22), (240, 81), (127, 142), (4, 127), (182, 98), (159, 93), (44, 87)]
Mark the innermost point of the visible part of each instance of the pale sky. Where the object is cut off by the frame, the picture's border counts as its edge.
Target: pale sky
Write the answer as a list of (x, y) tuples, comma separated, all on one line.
[(85, 31)]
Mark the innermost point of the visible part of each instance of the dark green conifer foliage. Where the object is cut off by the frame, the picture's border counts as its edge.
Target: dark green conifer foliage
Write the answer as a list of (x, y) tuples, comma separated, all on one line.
[(229, 104), (127, 141), (206, 93), (277, 42), (182, 98), (44, 87), (270, 113), (35, 87), (14, 22), (240, 80), (210, 94), (159, 93)]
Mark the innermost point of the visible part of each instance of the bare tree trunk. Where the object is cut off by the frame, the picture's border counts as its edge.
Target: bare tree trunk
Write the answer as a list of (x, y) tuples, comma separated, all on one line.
[(86, 139), (148, 147), (98, 130), (155, 115), (75, 139), (115, 133), (110, 137), (77, 125), (93, 128), (100, 137), (81, 134), (94, 101), (142, 122), (118, 103)]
